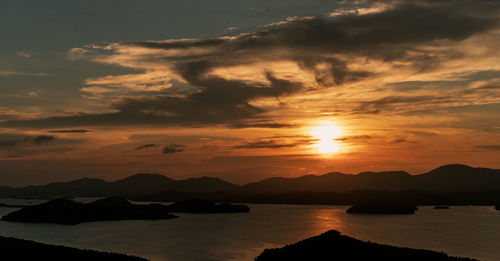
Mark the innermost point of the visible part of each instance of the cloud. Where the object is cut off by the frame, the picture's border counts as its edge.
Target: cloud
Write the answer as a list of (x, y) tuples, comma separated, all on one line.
[(10, 141), (173, 148), (488, 147), (9, 73), (402, 140), (399, 103), (270, 144), (70, 131), (146, 146), (24, 54), (276, 142), (43, 139), (224, 80), (7, 144), (221, 102), (355, 137)]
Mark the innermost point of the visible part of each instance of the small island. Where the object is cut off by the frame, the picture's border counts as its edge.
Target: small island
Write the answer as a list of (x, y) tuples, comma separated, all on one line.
[(378, 207), (441, 207), (497, 207), (68, 212), (206, 206), (19, 249), (332, 245)]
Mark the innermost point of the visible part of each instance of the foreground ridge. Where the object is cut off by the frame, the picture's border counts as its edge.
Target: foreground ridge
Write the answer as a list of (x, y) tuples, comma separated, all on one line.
[(331, 245), (19, 249)]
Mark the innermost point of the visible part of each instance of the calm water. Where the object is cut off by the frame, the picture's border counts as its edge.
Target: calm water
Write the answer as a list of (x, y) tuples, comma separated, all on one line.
[(464, 231)]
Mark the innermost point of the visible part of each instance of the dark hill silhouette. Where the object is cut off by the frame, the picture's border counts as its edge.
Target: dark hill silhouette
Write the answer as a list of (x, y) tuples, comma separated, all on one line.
[(4, 188), (419, 197), (205, 206), (447, 178), (68, 212), (334, 246), (202, 185), (83, 187), (139, 184), (458, 177), (18, 249), (453, 177)]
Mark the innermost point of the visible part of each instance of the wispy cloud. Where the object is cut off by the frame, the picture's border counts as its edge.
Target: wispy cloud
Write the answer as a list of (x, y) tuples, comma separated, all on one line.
[(24, 54), (12, 73), (70, 131), (146, 146), (349, 62), (43, 139), (488, 147), (173, 148)]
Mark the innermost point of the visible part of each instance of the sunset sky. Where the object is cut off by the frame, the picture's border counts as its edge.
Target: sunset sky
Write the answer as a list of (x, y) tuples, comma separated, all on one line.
[(245, 90)]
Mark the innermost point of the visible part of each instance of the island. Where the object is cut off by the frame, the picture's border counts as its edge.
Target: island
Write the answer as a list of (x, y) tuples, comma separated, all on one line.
[(68, 212), (441, 207), (497, 207), (206, 206), (332, 245), (19, 249), (382, 207)]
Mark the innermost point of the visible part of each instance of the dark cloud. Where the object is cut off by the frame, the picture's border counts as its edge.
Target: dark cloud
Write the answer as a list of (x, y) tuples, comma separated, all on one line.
[(265, 144), (173, 148), (218, 101), (20, 145), (260, 124), (43, 139), (70, 131), (146, 146), (423, 133), (336, 72), (395, 34), (489, 147), (389, 35), (399, 103), (402, 140), (7, 144), (274, 143), (355, 137)]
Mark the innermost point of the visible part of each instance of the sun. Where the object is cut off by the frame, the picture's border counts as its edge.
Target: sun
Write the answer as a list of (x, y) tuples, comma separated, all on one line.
[(326, 132)]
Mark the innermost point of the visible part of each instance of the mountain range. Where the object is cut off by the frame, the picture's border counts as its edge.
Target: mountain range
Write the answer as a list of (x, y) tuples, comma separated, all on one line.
[(447, 178)]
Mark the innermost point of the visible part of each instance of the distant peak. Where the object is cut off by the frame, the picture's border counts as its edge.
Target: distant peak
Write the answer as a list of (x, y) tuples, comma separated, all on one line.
[(383, 173), (205, 178), (452, 167), (142, 176)]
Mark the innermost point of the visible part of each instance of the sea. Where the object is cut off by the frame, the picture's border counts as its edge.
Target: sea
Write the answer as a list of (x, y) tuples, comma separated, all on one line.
[(469, 231)]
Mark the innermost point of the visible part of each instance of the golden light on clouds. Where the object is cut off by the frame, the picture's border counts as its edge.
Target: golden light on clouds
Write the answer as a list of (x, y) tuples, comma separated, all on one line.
[(326, 132)]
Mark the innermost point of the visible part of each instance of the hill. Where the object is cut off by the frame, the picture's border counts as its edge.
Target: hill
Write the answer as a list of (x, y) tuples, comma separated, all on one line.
[(445, 179), (332, 245), (139, 184), (18, 249)]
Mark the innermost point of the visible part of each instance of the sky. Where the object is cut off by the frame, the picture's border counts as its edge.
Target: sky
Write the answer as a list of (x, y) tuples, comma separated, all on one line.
[(246, 90)]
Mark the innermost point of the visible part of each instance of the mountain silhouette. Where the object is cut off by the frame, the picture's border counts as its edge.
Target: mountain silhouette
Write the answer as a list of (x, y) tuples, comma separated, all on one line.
[(331, 245), (447, 178), (19, 249), (453, 177), (139, 184)]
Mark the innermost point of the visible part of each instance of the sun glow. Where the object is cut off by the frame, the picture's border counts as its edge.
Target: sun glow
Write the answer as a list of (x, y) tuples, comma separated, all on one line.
[(326, 132)]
